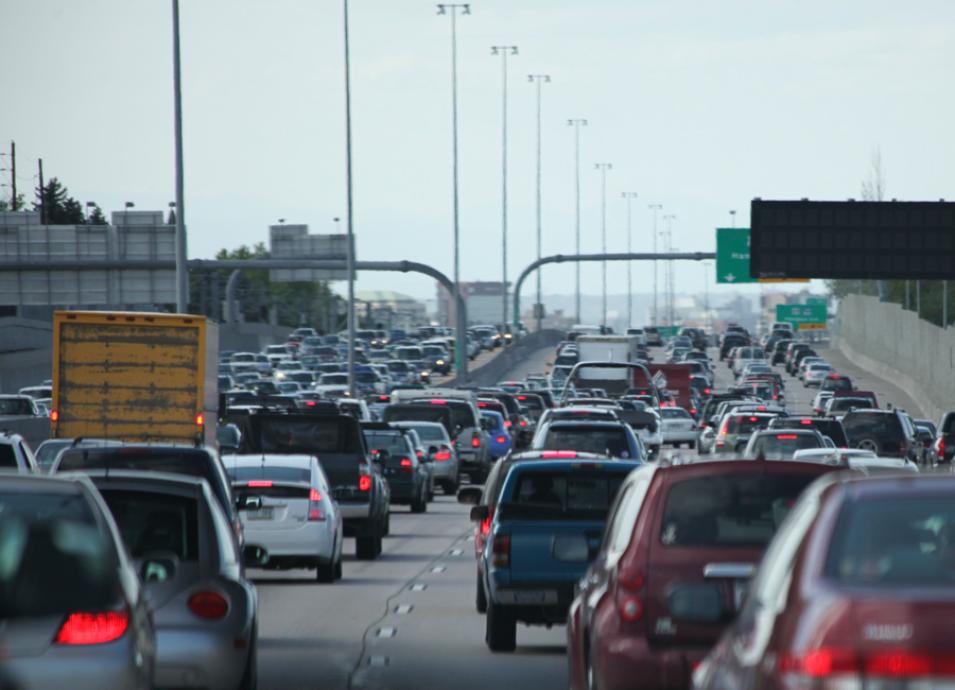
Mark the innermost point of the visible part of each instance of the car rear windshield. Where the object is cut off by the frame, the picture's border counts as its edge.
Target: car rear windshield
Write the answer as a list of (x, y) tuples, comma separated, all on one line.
[(745, 424), (825, 426), (266, 472), (8, 459), (674, 413), (738, 509), (15, 406), (894, 541), (391, 441), (310, 435), (155, 522), (562, 494), (55, 559), (885, 427), (430, 433), (592, 439), (462, 414), (781, 446)]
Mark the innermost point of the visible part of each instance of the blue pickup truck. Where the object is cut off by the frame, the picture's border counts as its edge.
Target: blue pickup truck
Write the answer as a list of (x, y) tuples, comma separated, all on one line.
[(545, 531)]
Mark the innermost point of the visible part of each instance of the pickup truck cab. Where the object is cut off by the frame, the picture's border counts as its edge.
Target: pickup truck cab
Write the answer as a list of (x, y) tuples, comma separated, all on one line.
[(545, 530)]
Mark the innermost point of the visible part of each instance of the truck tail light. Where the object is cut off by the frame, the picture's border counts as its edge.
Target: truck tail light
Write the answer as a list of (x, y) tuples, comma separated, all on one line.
[(501, 550), (939, 444), (630, 605), (54, 416), (364, 479)]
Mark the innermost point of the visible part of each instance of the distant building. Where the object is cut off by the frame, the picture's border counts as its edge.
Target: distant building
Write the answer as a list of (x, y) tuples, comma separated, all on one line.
[(485, 302), (389, 309)]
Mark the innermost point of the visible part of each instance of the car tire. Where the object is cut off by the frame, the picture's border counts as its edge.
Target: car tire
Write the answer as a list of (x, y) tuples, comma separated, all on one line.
[(420, 504), (250, 677), (325, 572), (500, 629), (386, 525), (367, 548), (691, 445), (868, 444), (480, 596), (338, 568)]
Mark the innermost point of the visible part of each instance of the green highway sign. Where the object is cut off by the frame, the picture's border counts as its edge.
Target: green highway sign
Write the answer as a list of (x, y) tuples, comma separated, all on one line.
[(732, 255), (803, 316), (817, 300), (668, 331)]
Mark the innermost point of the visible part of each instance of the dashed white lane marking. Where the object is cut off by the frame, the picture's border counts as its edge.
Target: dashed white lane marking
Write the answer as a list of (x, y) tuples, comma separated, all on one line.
[(378, 661), (457, 552), (419, 587), (402, 609), (387, 631), (439, 569)]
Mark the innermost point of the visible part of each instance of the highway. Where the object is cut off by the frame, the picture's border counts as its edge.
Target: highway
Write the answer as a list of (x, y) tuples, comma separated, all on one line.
[(407, 620)]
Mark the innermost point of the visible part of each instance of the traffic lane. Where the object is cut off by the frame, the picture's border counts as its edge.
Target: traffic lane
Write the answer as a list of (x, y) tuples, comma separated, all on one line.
[(862, 379), (310, 634), (482, 358), (434, 638)]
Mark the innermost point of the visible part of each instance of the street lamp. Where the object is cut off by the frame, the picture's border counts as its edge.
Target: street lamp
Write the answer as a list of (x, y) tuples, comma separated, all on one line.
[(577, 123), (452, 10), (732, 218), (539, 79), (655, 208), (603, 168), (182, 273), (350, 218), (504, 51), (629, 196), (669, 218)]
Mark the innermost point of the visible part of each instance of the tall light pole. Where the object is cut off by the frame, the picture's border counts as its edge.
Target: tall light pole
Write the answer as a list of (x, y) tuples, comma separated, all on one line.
[(350, 264), (577, 123), (182, 273), (733, 218), (669, 218), (629, 196), (655, 208), (603, 168), (706, 293), (452, 10), (504, 51), (539, 80)]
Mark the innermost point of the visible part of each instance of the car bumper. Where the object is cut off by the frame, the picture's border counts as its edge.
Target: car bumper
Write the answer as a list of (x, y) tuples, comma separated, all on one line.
[(81, 668), (316, 538), (689, 436), (445, 469), (198, 659), (355, 511), (618, 661), (471, 459)]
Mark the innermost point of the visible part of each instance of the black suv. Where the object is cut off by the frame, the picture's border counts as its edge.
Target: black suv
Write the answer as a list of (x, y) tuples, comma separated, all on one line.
[(887, 432)]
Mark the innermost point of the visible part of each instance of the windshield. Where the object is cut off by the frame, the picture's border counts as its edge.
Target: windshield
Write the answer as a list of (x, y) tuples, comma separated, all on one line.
[(561, 495), (602, 440), (781, 446)]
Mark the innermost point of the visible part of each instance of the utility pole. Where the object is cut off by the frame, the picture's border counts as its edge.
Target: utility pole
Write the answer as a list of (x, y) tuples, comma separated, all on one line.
[(182, 272), (733, 218), (706, 294), (42, 195), (350, 267), (669, 218), (13, 175), (629, 196), (603, 168), (504, 51), (577, 123), (452, 10), (539, 80), (655, 208)]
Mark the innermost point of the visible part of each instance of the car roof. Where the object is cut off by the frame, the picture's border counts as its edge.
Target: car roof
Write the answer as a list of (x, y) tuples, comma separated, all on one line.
[(576, 463), (600, 423), (153, 481), (276, 460), (44, 483)]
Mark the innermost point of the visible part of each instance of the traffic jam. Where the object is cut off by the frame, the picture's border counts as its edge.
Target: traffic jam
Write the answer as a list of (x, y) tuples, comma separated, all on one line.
[(675, 502)]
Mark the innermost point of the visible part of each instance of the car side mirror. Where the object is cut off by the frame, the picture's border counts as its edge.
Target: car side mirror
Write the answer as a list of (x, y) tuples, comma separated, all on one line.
[(469, 495), (254, 556), (249, 502), (158, 566), (479, 513)]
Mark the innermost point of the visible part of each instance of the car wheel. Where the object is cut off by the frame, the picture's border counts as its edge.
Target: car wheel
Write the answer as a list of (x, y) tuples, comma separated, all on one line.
[(367, 548), (250, 677), (478, 477), (386, 525), (480, 597), (501, 629), (325, 572), (868, 444), (338, 568), (691, 445)]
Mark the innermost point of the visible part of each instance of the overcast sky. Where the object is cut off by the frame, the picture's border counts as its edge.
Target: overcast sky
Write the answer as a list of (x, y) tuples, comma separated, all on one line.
[(700, 106)]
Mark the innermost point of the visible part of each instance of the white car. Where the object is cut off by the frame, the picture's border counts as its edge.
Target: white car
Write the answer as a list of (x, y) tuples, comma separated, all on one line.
[(678, 427), (856, 459), (286, 366), (819, 402), (286, 507), (816, 373)]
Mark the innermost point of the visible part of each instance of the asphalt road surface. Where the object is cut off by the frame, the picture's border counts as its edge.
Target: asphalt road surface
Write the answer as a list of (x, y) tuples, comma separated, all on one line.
[(407, 620)]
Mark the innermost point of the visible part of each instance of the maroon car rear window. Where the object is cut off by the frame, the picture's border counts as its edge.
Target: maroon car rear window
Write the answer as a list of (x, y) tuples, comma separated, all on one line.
[(894, 541), (742, 509)]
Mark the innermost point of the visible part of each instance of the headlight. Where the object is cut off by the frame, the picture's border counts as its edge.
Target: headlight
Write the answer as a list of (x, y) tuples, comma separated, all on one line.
[(280, 375), (440, 362)]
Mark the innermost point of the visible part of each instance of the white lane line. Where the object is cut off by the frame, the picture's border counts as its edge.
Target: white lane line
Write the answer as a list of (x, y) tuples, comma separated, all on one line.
[(378, 661), (418, 587), (471, 538), (457, 552), (438, 569), (403, 609), (387, 631)]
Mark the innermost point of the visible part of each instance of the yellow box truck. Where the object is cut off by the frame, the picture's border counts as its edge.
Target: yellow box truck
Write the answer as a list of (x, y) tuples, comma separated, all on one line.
[(135, 376)]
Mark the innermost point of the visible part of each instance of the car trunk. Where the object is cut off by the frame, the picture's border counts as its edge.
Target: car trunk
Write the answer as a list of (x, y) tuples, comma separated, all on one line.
[(283, 507), (553, 550)]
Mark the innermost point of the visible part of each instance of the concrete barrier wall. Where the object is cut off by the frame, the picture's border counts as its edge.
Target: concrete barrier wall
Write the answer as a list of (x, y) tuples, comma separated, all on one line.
[(895, 344), (492, 372)]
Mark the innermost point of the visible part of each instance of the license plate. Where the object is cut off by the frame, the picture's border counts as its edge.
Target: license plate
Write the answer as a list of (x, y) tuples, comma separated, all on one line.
[(529, 596), (260, 514)]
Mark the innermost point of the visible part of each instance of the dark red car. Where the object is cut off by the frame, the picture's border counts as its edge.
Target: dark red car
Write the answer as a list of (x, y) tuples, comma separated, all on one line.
[(679, 548), (857, 590)]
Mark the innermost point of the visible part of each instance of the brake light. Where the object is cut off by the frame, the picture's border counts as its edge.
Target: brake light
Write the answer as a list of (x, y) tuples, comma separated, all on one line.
[(314, 496), (208, 605), (482, 405), (786, 437), (629, 603), (310, 403), (501, 439), (364, 483), (558, 454), (54, 416), (419, 453), (754, 419), (692, 410), (436, 401), (384, 398), (522, 397), (940, 447), (501, 550), (706, 391), (895, 663), (507, 423), (259, 484), (200, 419), (486, 523), (93, 628), (475, 441), (523, 422), (314, 510), (443, 454), (406, 466), (805, 422)]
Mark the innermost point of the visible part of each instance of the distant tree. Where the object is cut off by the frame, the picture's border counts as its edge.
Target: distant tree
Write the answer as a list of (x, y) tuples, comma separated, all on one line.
[(96, 216), (17, 206), (58, 207)]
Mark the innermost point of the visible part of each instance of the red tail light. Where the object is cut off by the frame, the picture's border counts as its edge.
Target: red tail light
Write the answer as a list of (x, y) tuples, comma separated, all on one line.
[(419, 453), (706, 391), (786, 437), (630, 605), (208, 605), (314, 510), (805, 422), (501, 550), (523, 422), (939, 447), (93, 628), (259, 484), (486, 524), (501, 439), (475, 441), (443, 454), (406, 467), (507, 423), (892, 663), (54, 416), (364, 483), (559, 454)]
